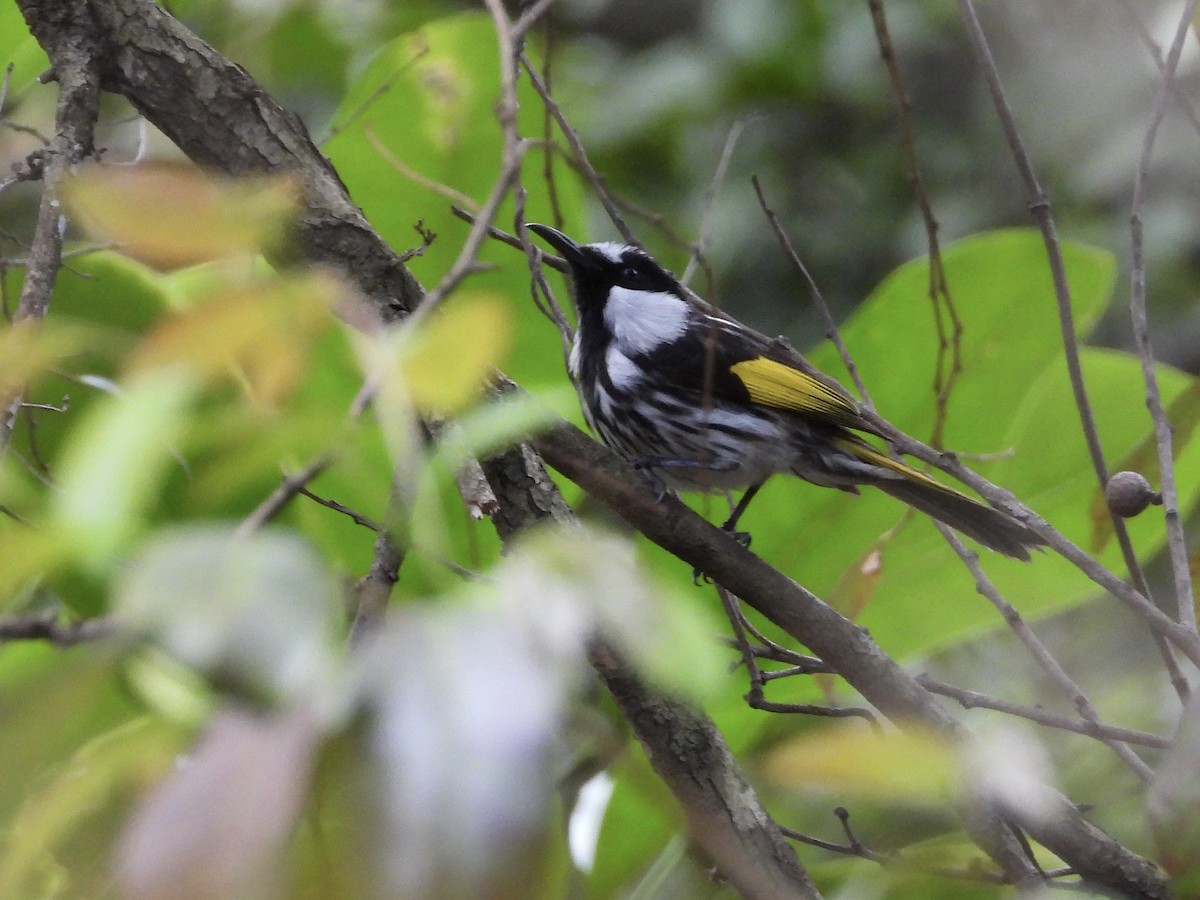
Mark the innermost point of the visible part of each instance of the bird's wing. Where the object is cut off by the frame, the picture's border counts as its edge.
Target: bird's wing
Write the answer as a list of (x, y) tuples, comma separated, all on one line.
[(773, 383), (727, 361), (772, 373)]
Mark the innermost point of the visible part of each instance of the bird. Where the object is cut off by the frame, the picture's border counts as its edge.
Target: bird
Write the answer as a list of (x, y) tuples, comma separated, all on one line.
[(698, 401)]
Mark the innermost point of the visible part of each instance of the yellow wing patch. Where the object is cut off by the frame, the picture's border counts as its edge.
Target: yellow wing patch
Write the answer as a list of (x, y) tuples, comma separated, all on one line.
[(775, 384)]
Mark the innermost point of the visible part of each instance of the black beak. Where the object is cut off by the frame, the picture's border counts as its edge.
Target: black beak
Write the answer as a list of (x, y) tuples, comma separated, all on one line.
[(569, 250)]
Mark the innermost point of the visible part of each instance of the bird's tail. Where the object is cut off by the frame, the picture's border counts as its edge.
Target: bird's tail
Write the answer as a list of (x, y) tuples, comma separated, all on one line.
[(994, 529)]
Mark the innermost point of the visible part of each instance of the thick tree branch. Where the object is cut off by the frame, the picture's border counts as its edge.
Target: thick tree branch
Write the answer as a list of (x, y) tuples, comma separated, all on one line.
[(684, 746), (690, 755)]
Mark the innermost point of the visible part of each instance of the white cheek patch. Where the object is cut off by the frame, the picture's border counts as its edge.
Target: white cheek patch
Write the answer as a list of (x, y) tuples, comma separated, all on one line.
[(624, 375), (642, 320)]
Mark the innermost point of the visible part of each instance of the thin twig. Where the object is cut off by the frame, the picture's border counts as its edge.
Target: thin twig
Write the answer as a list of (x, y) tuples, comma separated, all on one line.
[(288, 489), (75, 56), (949, 346), (48, 627), (413, 175), (373, 591), (1176, 542), (1039, 206), (755, 698), (710, 200), (974, 699), (581, 157), (831, 329), (513, 152), (1160, 623), (1041, 655), (1181, 96), (356, 517)]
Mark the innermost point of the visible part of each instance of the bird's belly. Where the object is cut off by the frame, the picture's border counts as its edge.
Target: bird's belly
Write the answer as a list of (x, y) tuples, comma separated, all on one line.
[(697, 449)]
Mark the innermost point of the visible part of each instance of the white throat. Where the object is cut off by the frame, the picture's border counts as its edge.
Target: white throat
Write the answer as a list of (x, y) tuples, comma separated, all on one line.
[(642, 320)]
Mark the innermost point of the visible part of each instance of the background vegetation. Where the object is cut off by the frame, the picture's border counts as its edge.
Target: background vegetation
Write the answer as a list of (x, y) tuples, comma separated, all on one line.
[(182, 710)]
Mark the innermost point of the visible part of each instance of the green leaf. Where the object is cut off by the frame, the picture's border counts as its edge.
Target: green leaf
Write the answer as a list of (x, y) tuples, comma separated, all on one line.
[(114, 464), (426, 105), (1012, 402)]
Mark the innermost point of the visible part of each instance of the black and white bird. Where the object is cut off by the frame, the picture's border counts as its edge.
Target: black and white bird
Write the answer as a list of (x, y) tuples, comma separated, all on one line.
[(704, 403)]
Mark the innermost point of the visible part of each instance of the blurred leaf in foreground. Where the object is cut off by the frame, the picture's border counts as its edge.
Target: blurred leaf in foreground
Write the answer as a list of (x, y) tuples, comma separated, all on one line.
[(257, 611), (170, 215), (261, 329), (115, 462), (216, 827)]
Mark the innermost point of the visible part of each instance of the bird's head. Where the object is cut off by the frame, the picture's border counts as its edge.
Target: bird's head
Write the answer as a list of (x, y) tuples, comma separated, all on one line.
[(600, 270)]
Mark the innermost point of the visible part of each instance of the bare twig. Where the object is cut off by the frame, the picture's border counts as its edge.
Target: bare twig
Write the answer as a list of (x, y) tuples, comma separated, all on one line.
[(514, 149), (74, 51), (1176, 542), (1041, 655), (290, 488), (974, 699), (404, 169), (1181, 95), (356, 517), (946, 372), (1040, 207), (581, 156), (1160, 623), (373, 591), (755, 698), (543, 296), (710, 202), (831, 329), (48, 627)]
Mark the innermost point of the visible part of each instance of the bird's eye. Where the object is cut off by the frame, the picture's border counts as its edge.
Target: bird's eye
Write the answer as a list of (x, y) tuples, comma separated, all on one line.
[(631, 274)]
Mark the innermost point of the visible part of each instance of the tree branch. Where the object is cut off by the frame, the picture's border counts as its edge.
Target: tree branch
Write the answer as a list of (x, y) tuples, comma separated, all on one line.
[(68, 36), (849, 651), (220, 117)]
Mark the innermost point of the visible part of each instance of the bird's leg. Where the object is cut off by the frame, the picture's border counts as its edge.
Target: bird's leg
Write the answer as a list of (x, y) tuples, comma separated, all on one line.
[(742, 537), (647, 464)]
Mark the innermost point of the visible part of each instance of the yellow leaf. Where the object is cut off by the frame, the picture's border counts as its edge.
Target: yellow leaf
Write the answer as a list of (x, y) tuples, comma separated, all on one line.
[(29, 347), (169, 215), (445, 363), (910, 766), (261, 330)]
